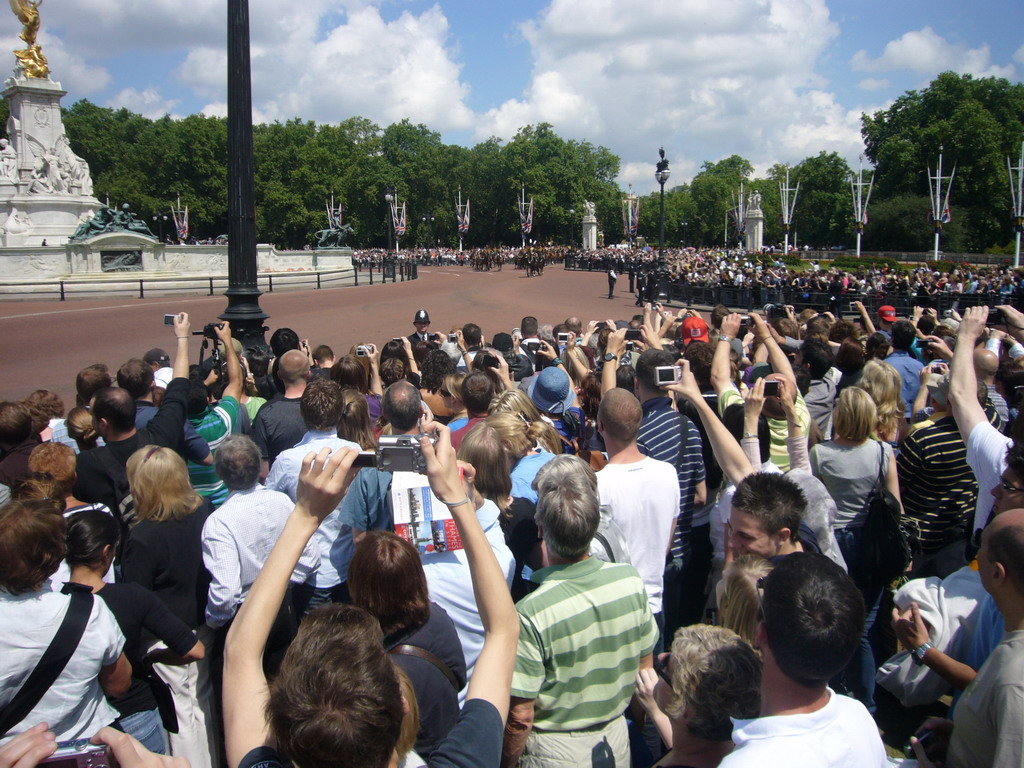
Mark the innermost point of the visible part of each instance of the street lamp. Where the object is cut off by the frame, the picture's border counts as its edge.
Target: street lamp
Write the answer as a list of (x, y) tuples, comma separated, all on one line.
[(572, 227), (661, 175), (430, 220), (389, 198), (682, 231), (159, 220)]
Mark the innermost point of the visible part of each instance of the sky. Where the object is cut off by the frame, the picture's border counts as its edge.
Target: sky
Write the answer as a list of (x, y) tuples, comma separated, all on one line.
[(771, 80)]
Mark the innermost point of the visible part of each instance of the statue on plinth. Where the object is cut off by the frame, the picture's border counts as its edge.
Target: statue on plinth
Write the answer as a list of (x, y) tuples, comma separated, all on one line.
[(334, 238), (108, 220), (31, 58), (8, 162), (589, 209), (754, 201)]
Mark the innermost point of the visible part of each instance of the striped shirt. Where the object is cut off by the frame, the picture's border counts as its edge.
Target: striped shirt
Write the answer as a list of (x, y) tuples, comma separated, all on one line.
[(582, 634), (778, 428), (660, 437), (937, 487), (213, 425)]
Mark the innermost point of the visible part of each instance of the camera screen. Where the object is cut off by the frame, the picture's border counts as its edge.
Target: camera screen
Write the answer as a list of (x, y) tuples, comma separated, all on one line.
[(632, 334), (666, 374), (771, 389)]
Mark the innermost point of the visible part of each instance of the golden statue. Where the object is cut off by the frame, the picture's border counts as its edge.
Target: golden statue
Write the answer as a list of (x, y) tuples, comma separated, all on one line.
[(31, 57)]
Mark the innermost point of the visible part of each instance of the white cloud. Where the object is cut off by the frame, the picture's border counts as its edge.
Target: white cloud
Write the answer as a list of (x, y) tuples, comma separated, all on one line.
[(323, 60), (926, 51), (725, 77), (1019, 55), (67, 65), (147, 102), (874, 84)]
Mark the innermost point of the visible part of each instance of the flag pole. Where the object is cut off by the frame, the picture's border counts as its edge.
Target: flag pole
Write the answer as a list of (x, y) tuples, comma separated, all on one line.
[(1017, 196)]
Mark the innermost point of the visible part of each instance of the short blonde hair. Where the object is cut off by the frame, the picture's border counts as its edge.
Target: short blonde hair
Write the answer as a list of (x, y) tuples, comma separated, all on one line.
[(482, 447), (855, 415), (739, 607), (158, 479), (716, 676)]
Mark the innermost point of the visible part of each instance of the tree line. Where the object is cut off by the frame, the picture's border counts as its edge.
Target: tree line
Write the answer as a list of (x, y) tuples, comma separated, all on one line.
[(300, 164)]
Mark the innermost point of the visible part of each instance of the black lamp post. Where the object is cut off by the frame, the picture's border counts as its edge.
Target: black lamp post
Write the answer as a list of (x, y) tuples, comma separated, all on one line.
[(243, 312), (661, 175), (572, 227), (430, 239), (389, 198), (159, 219)]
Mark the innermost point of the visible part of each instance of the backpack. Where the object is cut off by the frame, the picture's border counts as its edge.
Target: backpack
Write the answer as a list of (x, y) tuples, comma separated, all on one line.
[(609, 543), (889, 537)]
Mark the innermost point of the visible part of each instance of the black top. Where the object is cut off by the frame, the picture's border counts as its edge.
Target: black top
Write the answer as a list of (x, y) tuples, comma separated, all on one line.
[(474, 742), (437, 698), (278, 426), (167, 558), (521, 535), (95, 483), (136, 610)]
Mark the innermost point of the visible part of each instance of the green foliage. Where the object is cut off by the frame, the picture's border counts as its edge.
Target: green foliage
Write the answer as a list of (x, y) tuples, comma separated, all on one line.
[(978, 122), (853, 264)]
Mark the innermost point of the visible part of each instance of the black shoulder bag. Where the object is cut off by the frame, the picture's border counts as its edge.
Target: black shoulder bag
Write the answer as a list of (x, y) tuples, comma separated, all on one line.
[(52, 663), (889, 538)]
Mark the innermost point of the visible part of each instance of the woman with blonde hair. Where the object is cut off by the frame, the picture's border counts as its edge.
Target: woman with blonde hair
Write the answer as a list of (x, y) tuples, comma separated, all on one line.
[(517, 402), (164, 554), (451, 393), (521, 440), (850, 466), (883, 383), (739, 604)]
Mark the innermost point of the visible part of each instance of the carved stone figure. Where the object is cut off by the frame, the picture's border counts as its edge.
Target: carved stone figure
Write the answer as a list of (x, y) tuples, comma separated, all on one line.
[(74, 170), (8, 162), (755, 200), (109, 220), (588, 209), (46, 175), (31, 58)]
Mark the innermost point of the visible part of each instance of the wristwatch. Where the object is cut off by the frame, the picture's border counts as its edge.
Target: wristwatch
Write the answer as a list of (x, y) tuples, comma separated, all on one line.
[(723, 337), (608, 357), (919, 652)]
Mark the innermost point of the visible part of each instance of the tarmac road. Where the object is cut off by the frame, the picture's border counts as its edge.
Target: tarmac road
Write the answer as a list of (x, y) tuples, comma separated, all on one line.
[(43, 344)]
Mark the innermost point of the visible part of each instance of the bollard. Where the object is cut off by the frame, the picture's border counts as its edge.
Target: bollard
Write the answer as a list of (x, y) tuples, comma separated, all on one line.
[(142, 290), (62, 290)]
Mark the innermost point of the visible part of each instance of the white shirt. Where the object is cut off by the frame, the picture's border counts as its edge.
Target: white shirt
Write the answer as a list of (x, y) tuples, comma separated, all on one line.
[(237, 540), (333, 538), (986, 456), (839, 735), (451, 585), (74, 706), (643, 498)]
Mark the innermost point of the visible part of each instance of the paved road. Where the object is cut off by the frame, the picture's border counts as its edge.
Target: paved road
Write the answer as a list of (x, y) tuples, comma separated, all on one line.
[(43, 344)]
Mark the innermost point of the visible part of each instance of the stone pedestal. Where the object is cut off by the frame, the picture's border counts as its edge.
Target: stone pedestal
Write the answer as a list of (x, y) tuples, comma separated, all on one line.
[(590, 233), (754, 232), (45, 188)]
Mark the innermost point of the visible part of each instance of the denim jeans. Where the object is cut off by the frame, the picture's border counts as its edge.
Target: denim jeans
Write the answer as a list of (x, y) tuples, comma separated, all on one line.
[(858, 679), (147, 727)]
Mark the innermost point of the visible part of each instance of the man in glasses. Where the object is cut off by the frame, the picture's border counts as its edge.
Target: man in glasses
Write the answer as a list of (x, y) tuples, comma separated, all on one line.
[(812, 619)]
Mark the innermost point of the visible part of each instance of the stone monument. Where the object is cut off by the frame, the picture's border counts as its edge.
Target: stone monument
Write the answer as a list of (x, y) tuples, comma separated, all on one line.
[(754, 220), (589, 226), (45, 188)]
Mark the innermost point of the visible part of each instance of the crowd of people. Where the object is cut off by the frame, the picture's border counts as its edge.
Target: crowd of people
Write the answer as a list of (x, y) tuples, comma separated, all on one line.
[(648, 541)]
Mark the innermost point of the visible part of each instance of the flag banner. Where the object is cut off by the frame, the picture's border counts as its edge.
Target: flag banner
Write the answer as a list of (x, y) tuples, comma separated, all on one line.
[(630, 216), (181, 223), (462, 217), (946, 217), (399, 218), (526, 217)]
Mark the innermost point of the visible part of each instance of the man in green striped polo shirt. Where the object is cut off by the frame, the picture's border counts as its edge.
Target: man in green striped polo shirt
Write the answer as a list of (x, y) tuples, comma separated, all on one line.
[(584, 633)]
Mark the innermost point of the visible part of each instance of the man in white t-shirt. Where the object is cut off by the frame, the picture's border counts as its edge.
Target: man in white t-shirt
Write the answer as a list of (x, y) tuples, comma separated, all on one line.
[(640, 493), (813, 616)]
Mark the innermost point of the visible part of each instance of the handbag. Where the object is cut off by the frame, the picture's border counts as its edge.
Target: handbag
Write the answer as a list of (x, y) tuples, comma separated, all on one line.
[(889, 539), (51, 664), (163, 696)]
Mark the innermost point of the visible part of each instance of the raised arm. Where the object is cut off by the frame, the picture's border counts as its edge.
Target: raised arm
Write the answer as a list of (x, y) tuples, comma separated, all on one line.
[(963, 382), (323, 480), (865, 318), (234, 365), (780, 363), (728, 453), (721, 369), (492, 675), (182, 330), (615, 345)]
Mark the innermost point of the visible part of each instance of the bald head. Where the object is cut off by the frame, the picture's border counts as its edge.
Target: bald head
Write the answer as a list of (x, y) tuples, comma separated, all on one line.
[(402, 406), (986, 364), (619, 415), (293, 367), (1004, 539)]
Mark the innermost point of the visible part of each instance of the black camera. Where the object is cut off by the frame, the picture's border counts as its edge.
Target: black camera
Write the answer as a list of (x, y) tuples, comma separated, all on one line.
[(772, 311), (395, 453), (209, 330)]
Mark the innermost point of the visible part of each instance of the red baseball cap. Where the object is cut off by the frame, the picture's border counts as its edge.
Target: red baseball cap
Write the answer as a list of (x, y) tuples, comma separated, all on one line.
[(887, 313), (693, 329)]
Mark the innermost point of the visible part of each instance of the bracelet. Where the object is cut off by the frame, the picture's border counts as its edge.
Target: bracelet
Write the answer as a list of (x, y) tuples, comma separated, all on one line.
[(452, 504), (749, 434), (179, 338), (723, 337)]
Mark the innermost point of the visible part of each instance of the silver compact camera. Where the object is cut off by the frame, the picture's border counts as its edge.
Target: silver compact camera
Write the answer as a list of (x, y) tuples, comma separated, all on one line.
[(80, 753)]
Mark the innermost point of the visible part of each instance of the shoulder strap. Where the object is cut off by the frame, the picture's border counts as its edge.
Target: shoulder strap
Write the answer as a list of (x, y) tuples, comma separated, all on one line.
[(52, 663), (422, 653)]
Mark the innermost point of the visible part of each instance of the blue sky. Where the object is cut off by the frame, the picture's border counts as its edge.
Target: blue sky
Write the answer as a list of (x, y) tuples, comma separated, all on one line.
[(772, 80)]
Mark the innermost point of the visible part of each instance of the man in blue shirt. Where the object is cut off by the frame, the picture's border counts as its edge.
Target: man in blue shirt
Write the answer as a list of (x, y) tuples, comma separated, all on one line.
[(909, 367)]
